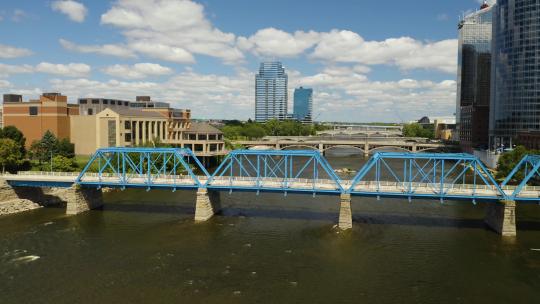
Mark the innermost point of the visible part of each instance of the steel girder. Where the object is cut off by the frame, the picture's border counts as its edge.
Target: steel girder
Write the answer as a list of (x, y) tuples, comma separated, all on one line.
[(142, 168), (272, 170), (426, 175), (529, 166)]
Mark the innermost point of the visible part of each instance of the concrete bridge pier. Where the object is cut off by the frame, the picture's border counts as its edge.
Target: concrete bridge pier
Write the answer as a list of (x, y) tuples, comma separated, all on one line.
[(501, 217), (345, 214), (366, 149), (208, 204), (79, 200)]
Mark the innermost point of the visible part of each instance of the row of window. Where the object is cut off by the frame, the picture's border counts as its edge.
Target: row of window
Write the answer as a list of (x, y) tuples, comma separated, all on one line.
[(105, 102)]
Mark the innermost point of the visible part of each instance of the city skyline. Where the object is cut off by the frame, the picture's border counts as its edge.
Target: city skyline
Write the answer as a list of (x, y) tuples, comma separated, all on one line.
[(201, 56)]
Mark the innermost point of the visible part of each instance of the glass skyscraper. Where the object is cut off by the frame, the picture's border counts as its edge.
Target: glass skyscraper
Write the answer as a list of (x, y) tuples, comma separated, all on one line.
[(473, 81), (271, 92), (303, 105), (515, 99)]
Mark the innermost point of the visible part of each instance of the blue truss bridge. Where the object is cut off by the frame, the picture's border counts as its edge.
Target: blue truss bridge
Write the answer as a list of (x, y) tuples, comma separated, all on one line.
[(445, 176), (386, 174)]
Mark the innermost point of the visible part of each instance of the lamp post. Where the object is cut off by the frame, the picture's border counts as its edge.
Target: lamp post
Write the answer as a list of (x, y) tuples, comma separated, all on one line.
[(51, 161)]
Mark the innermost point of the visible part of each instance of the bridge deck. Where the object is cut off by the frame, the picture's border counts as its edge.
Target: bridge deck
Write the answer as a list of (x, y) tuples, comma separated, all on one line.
[(364, 188)]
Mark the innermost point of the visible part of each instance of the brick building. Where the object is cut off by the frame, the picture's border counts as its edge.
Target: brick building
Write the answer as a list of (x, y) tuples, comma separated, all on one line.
[(50, 112)]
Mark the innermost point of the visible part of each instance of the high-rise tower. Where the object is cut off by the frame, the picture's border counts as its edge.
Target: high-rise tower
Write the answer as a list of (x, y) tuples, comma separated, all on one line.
[(303, 105), (270, 92), (515, 92), (473, 81)]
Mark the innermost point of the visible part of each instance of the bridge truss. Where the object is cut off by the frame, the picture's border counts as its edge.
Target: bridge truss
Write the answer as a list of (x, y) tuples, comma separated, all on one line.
[(429, 175), (142, 168), (526, 172), (274, 170)]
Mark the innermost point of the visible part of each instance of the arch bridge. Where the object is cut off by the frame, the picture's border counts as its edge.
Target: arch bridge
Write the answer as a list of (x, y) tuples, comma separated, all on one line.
[(366, 147)]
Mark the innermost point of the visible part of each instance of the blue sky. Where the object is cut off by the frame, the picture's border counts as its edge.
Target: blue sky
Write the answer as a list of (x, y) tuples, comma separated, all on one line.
[(367, 61)]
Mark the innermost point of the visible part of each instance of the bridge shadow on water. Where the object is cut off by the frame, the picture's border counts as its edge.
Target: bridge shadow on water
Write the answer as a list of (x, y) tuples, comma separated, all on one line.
[(371, 218), (322, 208)]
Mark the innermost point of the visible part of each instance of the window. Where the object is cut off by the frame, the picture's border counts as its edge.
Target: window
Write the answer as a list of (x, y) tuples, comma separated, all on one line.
[(95, 101), (113, 102), (33, 111), (202, 136), (106, 101), (127, 125), (82, 101), (111, 124), (192, 136), (212, 137), (127, 137), (126, 103), (90, 111)]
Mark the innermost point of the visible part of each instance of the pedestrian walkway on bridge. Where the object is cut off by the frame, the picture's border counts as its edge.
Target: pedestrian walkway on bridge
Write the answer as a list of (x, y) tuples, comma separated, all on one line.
[(447, 176)]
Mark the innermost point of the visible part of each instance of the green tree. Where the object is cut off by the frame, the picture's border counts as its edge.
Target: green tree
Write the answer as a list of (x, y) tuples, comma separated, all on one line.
[(10, 154), (65, 148), (509, 160), (273, 127), (16, 135), (232, 132), (253, 131), (416, 130), (63, 164)]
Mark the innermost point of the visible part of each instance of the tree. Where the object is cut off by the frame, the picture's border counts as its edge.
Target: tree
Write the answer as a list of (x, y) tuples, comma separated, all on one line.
[(416, 130), (272, 127), (509, 160), (253, 131), (65, 148), (63, 164), (10, 154), (16, 135)]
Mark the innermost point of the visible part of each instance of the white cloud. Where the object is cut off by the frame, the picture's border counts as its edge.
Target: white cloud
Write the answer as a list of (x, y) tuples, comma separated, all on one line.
[(8, 52), (405, 52), (67, 70), (340, 94), (137, 71), (106, 49), (163, 52), (74, 10), (341, 46), (179, 26), (7, 69), (5, 84), (273, 42)]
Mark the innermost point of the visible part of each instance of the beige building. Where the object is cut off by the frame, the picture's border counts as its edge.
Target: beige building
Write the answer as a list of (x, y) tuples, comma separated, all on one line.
[(116, 128), (125, 127)]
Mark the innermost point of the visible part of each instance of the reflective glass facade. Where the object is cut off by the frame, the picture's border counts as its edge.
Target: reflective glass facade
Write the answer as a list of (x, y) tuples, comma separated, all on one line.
[(473, 81), (303, 104), (271, 92), (515, 99)]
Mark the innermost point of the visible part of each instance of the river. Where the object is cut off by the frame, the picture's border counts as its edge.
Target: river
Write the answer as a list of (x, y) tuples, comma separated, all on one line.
[(143, 247)]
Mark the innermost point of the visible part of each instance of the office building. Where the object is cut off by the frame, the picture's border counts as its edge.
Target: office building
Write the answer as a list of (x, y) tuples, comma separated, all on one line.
[(115, 123), (515, 105), (271, 92), (303, 105), (92, 106), (473, 81), (147, 102), (51, 112)]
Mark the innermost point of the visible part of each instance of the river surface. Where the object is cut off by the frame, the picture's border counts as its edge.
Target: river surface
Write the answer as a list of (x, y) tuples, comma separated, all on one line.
[(143, 247)]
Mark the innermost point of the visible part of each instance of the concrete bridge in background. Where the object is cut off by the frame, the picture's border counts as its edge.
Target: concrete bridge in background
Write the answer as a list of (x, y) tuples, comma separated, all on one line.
[(366, 146), (420, 175)]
